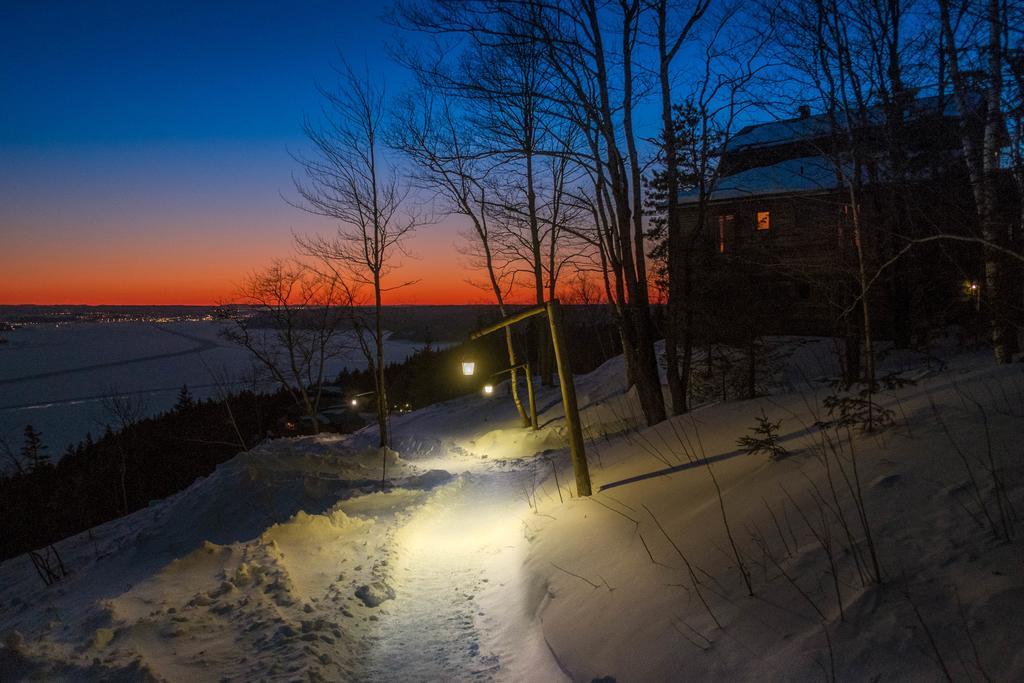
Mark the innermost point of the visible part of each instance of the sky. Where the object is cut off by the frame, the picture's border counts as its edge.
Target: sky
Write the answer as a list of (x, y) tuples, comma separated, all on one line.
[(144, 146)]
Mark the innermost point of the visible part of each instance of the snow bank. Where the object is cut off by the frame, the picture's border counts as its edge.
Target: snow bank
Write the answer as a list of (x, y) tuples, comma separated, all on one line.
[(294, 561), (250, 572), (643, 582)]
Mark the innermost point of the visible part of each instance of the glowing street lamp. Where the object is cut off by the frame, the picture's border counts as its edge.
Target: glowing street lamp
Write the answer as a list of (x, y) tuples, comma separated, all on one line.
[(468, 368), (973, 291), (489, 387), (577, 452), (354, 401)]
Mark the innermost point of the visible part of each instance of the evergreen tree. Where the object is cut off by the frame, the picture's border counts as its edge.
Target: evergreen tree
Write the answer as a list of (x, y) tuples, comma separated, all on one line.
[(765, 439), (185, 400), (686, 267), (694, 167), (34, 450)]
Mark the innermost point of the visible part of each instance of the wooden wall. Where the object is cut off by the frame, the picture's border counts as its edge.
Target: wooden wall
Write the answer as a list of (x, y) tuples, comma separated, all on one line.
[(805, 261)]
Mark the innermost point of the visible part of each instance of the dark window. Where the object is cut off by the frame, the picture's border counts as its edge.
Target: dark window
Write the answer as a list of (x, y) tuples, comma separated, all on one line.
[(726, 231)]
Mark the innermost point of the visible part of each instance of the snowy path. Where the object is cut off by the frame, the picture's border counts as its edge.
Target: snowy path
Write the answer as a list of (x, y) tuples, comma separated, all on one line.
[(463, 608)]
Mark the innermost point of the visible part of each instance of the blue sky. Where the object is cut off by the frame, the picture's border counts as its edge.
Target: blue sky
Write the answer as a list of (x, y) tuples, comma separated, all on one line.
[(144, 146), (109, 72)]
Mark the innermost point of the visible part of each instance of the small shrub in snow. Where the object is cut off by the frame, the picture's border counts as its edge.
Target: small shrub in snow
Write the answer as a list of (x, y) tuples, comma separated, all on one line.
[(859, 409), (765, 439), (722, 373), (48, 564)]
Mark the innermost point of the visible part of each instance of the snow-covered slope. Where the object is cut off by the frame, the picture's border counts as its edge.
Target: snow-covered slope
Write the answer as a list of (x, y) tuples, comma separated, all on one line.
[(293, 561), (643, 578)]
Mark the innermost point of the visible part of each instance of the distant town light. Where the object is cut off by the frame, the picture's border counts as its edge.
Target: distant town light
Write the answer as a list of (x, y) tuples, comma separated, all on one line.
[(355, 402), (468, 367), (488, 389)]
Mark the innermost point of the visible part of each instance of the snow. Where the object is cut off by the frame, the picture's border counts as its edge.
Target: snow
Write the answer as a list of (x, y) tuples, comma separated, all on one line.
[(644, 620), (295, 561), (780, 132), (55, 377), (804, 174), (800, 175), (808, 128)]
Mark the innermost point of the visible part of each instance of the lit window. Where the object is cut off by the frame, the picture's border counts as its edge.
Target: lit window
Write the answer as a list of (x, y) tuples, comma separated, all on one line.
[(725, 226), (764, 220)]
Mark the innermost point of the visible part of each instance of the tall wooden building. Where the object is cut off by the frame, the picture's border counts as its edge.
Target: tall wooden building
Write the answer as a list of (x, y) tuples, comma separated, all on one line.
[(780, 216)]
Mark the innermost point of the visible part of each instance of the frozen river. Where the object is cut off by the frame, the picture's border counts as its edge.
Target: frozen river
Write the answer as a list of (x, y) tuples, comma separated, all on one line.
[(55, 377)]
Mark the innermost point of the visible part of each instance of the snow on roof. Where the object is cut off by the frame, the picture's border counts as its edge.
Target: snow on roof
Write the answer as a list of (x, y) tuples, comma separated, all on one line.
[(810, 127), (779, 132), (805, 174)]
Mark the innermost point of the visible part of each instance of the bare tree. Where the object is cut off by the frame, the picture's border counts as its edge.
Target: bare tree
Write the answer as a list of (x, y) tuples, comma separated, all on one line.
[(866, 61), (512, 79), (1013, 29), (589, 49), (602, 236), (291, 318), (521, 137), (721, 59), (348, 178), (126, 409), (824, 47), (564, 250), (449, 164), (986, 42), (591, 46), (670, 40)]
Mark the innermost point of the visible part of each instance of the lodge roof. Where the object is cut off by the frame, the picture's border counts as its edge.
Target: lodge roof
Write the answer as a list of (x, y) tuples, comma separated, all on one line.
[(791, 176), (785, 131), (808, 169)]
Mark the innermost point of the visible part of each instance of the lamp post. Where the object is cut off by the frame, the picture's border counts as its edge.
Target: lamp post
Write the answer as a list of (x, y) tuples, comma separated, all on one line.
[(525, 367), (354, 403), (552, 309)]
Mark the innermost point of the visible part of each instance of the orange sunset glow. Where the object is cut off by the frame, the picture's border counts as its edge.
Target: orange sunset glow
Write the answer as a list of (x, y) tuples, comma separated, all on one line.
[(171, 182), (159, 264), (198, 274)]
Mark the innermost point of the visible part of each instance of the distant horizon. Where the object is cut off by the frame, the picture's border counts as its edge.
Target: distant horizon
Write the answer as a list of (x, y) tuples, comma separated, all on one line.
[(214, 305)]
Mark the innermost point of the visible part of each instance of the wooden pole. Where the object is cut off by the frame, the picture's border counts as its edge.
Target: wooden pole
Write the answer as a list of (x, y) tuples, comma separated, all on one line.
[(511, 320), (525, 367), (572, 414), (577, 451), (533, 402)]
